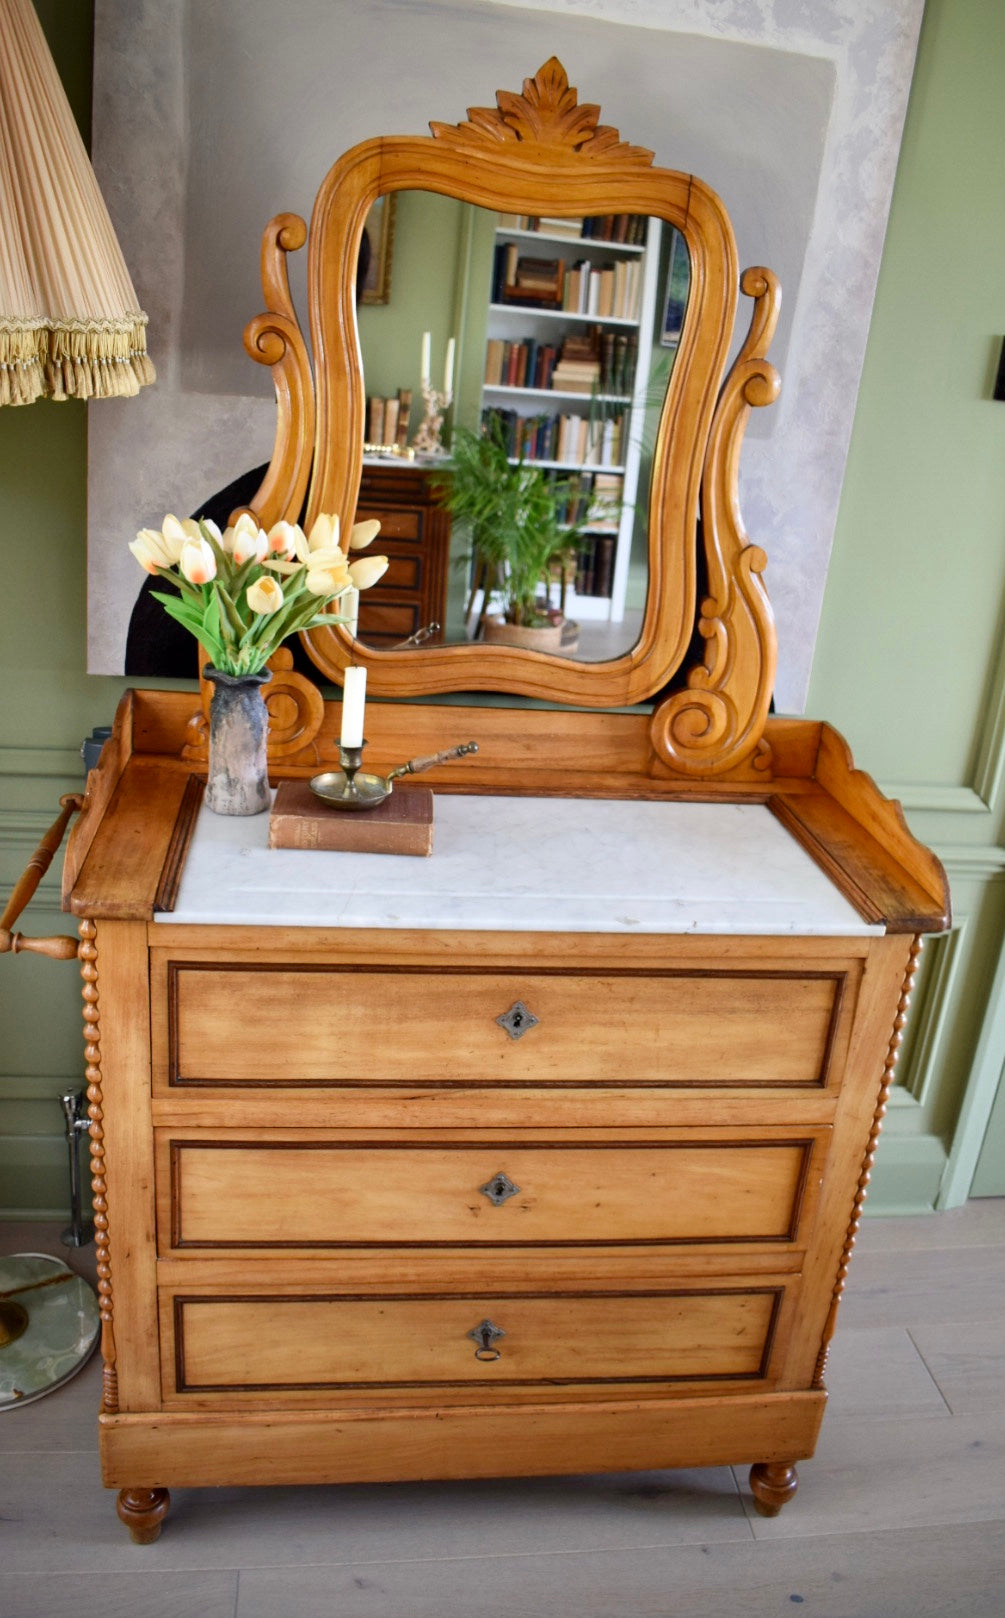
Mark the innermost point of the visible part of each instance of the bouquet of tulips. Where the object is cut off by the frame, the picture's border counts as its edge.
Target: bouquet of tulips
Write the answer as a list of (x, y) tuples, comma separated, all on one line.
[(243, 592)]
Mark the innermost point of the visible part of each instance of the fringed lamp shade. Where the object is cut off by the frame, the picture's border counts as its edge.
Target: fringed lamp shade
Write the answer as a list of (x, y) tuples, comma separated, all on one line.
[(70, 322)]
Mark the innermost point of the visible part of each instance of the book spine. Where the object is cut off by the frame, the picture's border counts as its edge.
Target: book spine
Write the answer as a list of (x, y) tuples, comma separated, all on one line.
[(404, 415), (390, 422), (603, 564)]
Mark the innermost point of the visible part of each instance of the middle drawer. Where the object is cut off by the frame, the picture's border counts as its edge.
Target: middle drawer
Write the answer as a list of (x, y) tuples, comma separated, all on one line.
[(216, 1193)]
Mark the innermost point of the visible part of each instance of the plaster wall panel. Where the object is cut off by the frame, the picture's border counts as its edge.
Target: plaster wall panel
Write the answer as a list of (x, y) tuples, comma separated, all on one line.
[(210, 117)]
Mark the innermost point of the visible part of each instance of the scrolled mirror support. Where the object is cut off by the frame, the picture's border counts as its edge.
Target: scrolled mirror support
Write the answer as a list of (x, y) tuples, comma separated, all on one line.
[(275, 339), (717, 722)]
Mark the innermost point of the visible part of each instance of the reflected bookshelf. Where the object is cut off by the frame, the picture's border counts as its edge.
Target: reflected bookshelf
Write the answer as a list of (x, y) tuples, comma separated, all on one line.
[(567, 360)]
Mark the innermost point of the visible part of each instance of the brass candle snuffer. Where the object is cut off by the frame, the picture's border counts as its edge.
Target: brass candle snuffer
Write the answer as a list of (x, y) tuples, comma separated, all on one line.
[(349, 788)]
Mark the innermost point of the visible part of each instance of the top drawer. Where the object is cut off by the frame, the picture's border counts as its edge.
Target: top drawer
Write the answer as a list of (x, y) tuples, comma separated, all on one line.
[(244, 1024), (396, 524)]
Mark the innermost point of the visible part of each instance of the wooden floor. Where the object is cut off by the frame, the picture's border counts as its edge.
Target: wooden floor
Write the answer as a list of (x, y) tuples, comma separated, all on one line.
[(900, 1514)]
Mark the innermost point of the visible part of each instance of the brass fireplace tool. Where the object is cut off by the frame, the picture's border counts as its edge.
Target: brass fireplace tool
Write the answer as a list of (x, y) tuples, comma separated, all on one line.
[(349, 788)]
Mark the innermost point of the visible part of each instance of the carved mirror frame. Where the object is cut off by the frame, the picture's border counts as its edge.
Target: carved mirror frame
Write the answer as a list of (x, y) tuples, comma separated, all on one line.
[(541, 151)]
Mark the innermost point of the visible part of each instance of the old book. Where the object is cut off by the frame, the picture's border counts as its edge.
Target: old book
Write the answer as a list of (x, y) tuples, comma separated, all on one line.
[(390, 422), (538, 271), (603, 564), (402, 824), (493, 362), (552, 226), (404, 412), (572, 291)]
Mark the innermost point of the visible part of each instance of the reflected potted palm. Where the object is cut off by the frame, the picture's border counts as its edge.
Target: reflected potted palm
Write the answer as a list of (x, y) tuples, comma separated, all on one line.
[(509, 508)]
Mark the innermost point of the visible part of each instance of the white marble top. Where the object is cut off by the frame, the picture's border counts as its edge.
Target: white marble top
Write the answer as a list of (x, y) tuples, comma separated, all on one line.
[(535, 864)]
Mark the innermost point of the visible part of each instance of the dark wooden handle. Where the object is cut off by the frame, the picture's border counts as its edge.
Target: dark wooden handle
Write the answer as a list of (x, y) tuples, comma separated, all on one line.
[(416, 766), (61, 947)]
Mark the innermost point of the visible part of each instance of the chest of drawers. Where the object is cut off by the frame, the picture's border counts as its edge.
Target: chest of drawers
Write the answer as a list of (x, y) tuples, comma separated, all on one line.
[(572, 1190), (415, 537)]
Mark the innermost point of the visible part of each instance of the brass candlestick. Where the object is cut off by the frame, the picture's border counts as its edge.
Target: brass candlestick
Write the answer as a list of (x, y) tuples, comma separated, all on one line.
[(349, 788)]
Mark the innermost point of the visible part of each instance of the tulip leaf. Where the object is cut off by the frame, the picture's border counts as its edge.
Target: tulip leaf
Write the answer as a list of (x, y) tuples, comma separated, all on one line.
[(234, 620), (211, 617), (179, 609), (214, 651), (242, 576), (295, 583), (312, 619), (191, 592), (325, 620), (193, 622)]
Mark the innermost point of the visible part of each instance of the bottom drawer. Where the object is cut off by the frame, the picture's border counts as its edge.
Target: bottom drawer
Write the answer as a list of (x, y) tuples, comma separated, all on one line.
[(270, 1344)]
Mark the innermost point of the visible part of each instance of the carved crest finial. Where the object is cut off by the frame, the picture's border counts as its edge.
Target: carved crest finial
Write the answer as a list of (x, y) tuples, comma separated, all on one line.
[(545, 114)]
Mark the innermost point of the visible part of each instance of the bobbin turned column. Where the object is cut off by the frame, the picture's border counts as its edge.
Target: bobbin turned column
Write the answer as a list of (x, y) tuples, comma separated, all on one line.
[(772, 1484), (143, 1511)]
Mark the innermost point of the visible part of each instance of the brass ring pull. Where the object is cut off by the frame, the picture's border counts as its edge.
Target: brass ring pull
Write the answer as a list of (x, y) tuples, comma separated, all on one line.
[(485, 1335)]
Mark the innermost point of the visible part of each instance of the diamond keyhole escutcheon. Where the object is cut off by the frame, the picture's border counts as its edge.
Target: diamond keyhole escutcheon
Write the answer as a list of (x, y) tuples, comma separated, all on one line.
[(518, 1020), (499, 1189)]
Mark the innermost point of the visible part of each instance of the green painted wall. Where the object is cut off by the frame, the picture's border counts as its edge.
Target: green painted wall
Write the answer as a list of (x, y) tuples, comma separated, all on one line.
[(908, 663), (424, 266), (49, 706), (914, 595)]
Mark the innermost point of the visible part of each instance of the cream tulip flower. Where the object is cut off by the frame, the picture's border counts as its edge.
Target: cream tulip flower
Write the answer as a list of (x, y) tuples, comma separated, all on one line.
[(197, 562), (299, 553), (245, 526), (264, 596), (250, 545), (363, 533), (324, 534), (282, 540), (328, 573), (330, 557), (177, 531), (367, 571), (151, 550)]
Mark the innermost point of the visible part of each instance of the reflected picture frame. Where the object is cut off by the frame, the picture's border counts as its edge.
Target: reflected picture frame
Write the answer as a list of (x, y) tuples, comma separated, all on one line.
[(678, 284), (379, 230)]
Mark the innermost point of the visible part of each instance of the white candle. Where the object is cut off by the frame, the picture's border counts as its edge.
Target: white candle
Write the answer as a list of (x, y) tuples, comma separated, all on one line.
[(425, 359), (448, 374), (349, 608), (353, 700)]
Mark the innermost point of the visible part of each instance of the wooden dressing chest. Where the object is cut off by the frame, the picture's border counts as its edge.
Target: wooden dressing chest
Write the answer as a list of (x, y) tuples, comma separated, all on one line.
[(545, 1154), (387, 1200)]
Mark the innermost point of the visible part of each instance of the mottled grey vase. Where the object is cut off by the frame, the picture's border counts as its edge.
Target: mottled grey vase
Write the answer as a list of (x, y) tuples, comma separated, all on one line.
[(238, 733)]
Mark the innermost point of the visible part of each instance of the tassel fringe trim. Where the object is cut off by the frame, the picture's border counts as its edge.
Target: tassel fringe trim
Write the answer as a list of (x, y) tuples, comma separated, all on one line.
[(73, 359)]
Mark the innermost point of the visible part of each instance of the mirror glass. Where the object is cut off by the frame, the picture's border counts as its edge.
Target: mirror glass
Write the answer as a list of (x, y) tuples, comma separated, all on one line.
[(555, 339)]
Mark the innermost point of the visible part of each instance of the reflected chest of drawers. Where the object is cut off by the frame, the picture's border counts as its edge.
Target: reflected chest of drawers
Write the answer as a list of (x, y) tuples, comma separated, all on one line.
[(415, 537), (407, 1170)]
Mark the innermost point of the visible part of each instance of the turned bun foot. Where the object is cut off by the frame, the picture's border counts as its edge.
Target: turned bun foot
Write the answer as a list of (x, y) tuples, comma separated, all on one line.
[(143, 1511), (772, 1484)]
